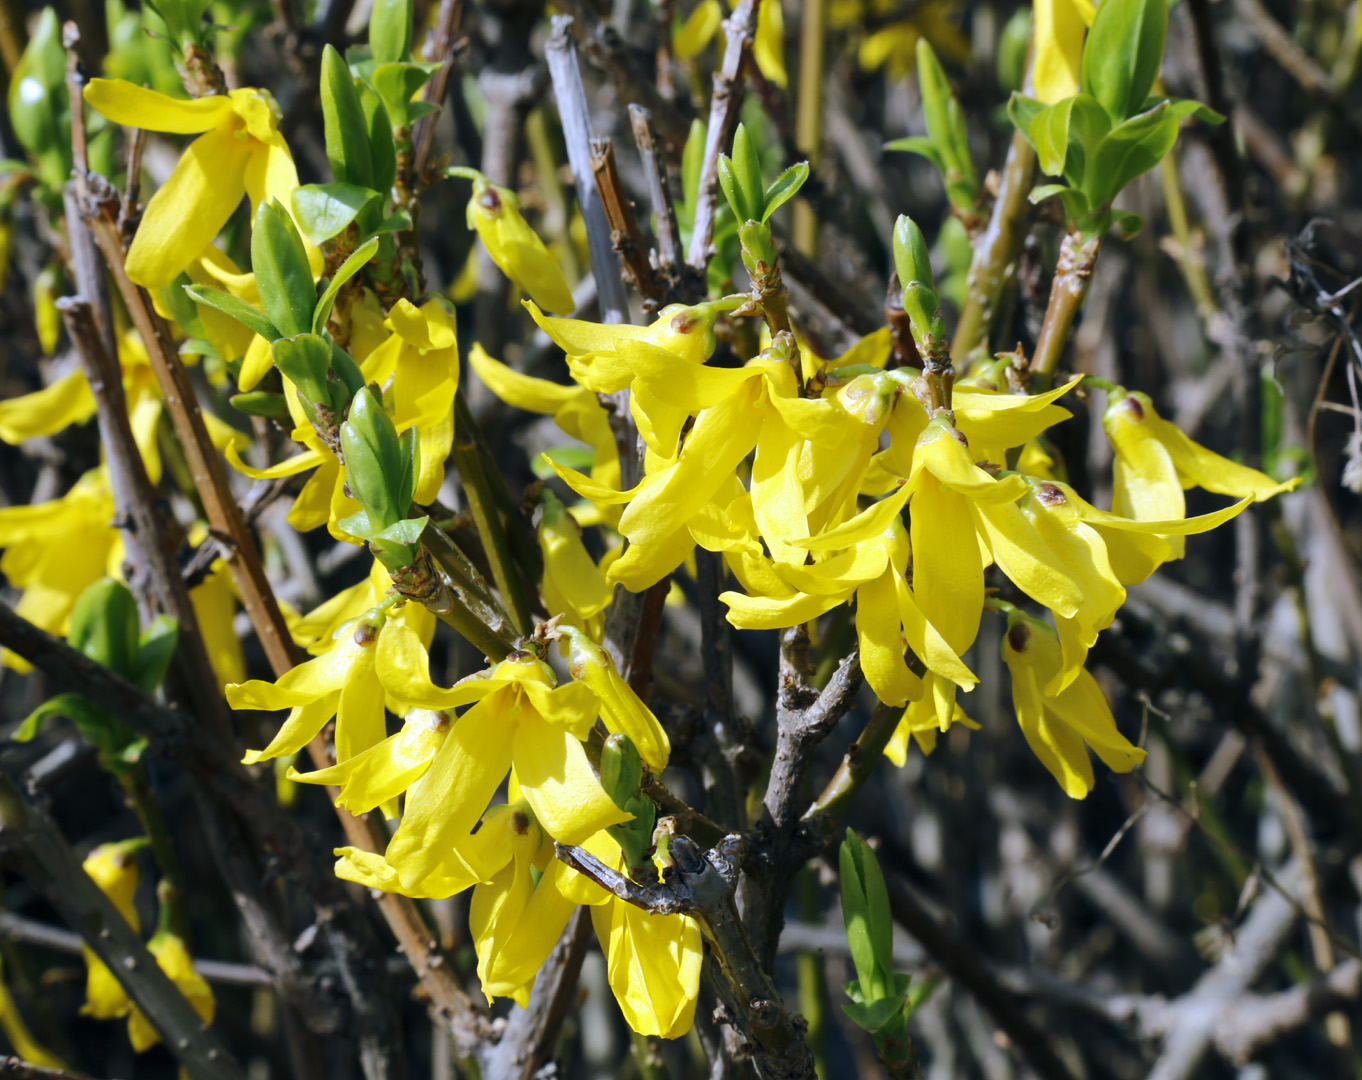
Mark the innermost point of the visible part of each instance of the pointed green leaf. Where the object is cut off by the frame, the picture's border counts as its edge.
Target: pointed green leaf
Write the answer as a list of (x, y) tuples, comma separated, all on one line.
[(344, 123), (249, 317), (104, 625), (382, 147), (916, 144), (786, 185), (1132, 148), (1022, 110), (156, 650), (305, 360), (323, 210), (390, 30), (1123, 53), (747, 174), (344, 273), (282, 272)]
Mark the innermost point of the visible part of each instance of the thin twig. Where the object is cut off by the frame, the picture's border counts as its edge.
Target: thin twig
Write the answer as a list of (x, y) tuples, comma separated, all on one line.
[(442, 52), (740, 28), (668, 259), (625, 239)]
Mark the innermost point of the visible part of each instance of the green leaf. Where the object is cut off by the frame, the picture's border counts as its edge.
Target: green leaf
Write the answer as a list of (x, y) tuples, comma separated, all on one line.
[(397, 545), (1075, 201), (916, 144), (382, 147), (1022, 111), (945, 119), (344, 123), (409, 447), (786, 185), (357, 525), (747, 174), (282, 272), (396, 84), (373, 460), (347, 375), (250, 317), (1185, 108), (323, 210), (104, 625), (348, 269), (69, 705), (855, 913), (398, 221), (692, 161), (157, 649), (305, 360), (260, 403), (1132, 148), (1013, 44), (733, 192), (1066, 134), (1122, 55), (1049, 134), (390, 30)]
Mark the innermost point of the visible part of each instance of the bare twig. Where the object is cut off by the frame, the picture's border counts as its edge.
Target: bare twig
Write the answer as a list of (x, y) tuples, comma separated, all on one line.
[(441, 52), (668, 260), (740, 28), (625, 239), (19, 1069)]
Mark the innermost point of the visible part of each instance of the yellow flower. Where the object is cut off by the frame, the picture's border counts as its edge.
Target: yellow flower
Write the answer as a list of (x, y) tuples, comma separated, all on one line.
[(421, 359), (240, 152), (55, 550), (1060, 27), (1155, 461), (113, 867), (214, 602), (342, 683), (521, 720), (315, 630), (768, 45), (173, 958), (1060, 728), (573, 584), (378, 775), (690, 37), (621, 710), (575, 409), (919, 722), (494, 212)]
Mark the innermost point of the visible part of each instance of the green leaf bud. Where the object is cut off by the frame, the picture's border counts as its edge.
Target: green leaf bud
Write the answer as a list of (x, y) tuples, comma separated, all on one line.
[(282, 272), (374, 462), (105, 627)]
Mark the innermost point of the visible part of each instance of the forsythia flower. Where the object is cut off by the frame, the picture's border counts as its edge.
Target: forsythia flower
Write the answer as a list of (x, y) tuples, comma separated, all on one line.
[(421, 359), (1059, 31), (20, 1037), (1060, 728), (342, 683), (494, 213), (573, 584), (173, 958), (240, 152)]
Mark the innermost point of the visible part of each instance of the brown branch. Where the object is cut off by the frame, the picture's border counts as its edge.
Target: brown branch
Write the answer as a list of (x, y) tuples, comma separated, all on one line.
[(740, 28), (51, 867), (855, 769), (1073, 276), (625, 239), (442, 51)]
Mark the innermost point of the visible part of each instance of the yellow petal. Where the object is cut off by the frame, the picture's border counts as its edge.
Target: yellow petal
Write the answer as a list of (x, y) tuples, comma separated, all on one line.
[(448, 800), (1026, 559), (190, 208), (690, 39), (557, 780), (66, 401), (135, 106), (948, 573), (644, 565), (879, 631), (522, 391), (403, 667), (386, 769), (653, 965), (1060, 29)]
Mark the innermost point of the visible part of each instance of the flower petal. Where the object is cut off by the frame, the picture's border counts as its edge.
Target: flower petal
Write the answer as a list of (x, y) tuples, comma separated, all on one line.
[(130, 105)]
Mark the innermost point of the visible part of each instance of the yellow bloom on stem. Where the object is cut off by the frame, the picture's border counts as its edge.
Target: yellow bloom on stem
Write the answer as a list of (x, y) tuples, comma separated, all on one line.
[(920, 724), (173, 958), (1155, 461), (113, 867), (575, 409), (239, 152), (315, 630), (521, 719), (214, 602), (421, 359), (494, 213), (341, 683), (1060, 728), (622, 711), (55, 550), (573, 584), (1060, 27)]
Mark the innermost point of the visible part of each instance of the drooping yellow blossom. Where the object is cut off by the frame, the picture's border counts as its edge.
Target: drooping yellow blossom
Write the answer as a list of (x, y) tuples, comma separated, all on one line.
[(494, 213), (1155, 461), (691, 37), (173, 958), (342, 683), (316, 630), (573, 584), (575, 409), (113, 867), (421, 359), (55, 550), (1060, 728), (1060, 26), (521, 719), (920, 724), (239, 152)]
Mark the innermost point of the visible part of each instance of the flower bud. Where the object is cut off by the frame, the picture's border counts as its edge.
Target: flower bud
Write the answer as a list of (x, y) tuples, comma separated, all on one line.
[(377, 468)]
